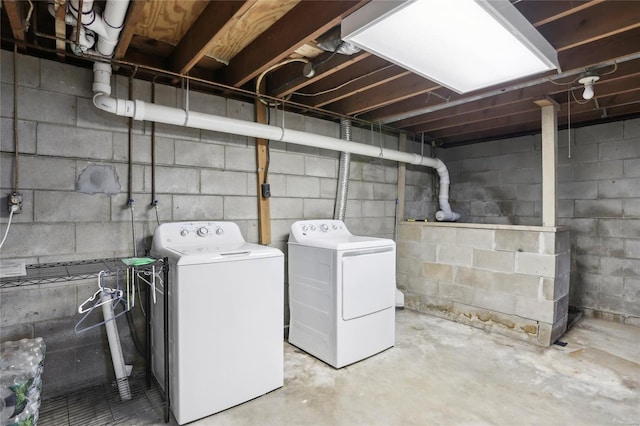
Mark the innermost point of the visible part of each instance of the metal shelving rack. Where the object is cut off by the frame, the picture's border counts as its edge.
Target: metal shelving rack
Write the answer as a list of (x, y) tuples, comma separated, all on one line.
[(57, 272)]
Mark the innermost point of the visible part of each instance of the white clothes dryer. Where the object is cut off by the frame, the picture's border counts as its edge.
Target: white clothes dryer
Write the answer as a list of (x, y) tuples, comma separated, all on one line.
[(226, 317), (341, 292)]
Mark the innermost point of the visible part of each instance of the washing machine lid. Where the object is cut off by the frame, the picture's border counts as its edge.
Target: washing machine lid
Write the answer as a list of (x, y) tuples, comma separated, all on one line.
[(332, 235), (195, 255), (205, 242)]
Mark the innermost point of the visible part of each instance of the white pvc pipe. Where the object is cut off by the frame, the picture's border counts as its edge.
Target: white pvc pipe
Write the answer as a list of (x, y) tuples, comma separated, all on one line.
[(144, 111), (116, 349)]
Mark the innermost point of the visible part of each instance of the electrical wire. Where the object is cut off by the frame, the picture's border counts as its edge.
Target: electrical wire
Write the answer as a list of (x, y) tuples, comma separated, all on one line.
[(268, 70), (353, 80), (8, 226)]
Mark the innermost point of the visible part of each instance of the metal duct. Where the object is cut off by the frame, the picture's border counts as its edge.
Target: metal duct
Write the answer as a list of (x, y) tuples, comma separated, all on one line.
[(343, 172)]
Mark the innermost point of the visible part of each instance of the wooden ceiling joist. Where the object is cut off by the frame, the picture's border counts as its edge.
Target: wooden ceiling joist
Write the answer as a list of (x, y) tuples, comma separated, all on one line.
[(306, 21), (135, 15), (15, 13), (211, 24)]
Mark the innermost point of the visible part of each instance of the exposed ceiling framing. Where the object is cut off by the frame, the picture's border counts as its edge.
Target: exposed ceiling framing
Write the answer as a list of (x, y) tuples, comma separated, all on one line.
[(234, 42)]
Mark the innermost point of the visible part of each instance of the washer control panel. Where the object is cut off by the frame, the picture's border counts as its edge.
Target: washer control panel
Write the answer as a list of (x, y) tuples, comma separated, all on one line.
[(316, 229), (197, 234)]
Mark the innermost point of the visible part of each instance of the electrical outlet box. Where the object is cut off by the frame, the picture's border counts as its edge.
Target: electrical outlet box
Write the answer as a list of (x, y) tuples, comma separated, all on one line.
[(266, 190), (15, 199)]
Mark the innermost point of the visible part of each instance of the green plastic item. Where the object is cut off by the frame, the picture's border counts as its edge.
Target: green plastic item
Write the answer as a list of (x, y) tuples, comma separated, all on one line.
[(138, 261)]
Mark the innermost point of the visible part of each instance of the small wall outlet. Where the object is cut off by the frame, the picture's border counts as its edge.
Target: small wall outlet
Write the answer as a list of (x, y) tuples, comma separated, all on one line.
[(15, 199), (266, 190)]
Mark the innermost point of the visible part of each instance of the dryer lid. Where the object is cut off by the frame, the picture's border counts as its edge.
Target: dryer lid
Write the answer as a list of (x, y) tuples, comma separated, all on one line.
[(332, 235)]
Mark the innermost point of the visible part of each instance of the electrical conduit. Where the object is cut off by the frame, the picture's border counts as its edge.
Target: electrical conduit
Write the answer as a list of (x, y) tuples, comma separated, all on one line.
[(144, 111)]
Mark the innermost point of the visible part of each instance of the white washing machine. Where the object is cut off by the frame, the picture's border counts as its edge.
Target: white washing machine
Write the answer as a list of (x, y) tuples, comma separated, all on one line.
[(341, 292), (226, 316)]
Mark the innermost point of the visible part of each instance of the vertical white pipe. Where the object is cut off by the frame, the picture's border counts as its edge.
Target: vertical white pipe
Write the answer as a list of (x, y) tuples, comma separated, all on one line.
[(115, 347)]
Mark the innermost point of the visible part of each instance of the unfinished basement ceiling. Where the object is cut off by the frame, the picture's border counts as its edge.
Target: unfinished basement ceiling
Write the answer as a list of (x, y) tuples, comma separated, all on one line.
[(233, 42)]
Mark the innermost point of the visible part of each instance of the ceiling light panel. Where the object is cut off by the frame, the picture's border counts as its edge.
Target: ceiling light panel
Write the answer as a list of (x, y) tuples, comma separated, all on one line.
[(464, 45)]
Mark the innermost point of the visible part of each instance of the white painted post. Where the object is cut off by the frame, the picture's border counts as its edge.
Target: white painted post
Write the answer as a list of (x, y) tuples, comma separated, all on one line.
[(549, 120)]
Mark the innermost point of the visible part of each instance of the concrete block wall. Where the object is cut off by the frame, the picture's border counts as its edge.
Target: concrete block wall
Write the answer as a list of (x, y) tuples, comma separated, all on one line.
[(512, 280), (73, 175), (499, 182)]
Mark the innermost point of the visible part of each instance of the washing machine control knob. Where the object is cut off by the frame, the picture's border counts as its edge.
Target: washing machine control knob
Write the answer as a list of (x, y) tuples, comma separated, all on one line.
[(184, 232), (203, 231), (313, 227), (304, 228), (335, 226), (324, 227), (219, 231)]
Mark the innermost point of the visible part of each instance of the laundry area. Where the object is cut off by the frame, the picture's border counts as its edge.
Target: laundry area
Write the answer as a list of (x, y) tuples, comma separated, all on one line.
[(248, 213)]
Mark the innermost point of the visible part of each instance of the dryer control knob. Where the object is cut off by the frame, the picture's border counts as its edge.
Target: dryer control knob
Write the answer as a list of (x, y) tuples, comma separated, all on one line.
[(184, 232), (219, 231), (324, 227), (203, 231)]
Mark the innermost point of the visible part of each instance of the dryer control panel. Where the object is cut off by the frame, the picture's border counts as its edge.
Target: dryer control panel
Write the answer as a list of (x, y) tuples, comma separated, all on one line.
[(185, 234), (305, 230)]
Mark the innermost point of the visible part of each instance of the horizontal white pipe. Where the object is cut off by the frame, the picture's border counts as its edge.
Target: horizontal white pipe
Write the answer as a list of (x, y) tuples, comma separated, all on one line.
[(144, 111)]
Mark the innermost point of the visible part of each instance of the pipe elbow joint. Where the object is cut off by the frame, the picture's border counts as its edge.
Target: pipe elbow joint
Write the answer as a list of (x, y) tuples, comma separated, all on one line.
[(450, 216)]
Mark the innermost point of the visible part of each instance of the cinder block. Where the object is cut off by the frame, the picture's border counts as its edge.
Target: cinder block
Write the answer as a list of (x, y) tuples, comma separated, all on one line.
[(318, 209), (384, 191), (360, 190), (373, 208), (409, 232), (623, 228), (631, 287), (286, 208), (303, 186), (28, 69), (41, 106), (240, 159), (631, 207), (199, 154), (455, 292), (598, 208), (36, 239), (599, 133), (321, 167), (198, 207), (321, 127), (454, 255), (438, 235), (536, 309), (595, 246), (278, 185), (223, 182), (180, 180), (141, 148), (548, 333), (90, 117), (391, 174), (493, 260), (528, 192), (177, 132), (33, 304), (94, 237), (62, 206), (476, 278), (328, 188), (494, 301), (631, 128), (631, 168), (62, 78), (632, 248), (355, 170), (438, 271), (519, 144), (286, 163), (587, 190), (598, 170), (536, 264), (517, 240), (373, 172), (476, 238), (515, 284), (240, 208), (554, 288), (620, 267), (620, 188), (416, 251), (17, 332), (354, 209), (620, 150), (26, 136), (422, 286), (74, 142)]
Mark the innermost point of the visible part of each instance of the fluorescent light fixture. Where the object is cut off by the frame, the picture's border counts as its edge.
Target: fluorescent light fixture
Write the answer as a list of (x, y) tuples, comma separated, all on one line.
[(464, 45)]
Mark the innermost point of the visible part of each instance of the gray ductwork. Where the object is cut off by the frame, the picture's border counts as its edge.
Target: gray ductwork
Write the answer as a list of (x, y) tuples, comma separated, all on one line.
[(343, 173)]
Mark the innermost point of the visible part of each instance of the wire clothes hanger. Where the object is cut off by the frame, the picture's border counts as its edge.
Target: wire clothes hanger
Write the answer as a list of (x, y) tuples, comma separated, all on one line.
[(103, 295)]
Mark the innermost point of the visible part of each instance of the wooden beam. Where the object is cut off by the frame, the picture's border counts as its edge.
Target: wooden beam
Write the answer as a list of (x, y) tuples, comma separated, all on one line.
[(262, 159), (15, 13), (394, 91), (214, 20), (549, 118), (61, 27), (136, 14), (305, 22)]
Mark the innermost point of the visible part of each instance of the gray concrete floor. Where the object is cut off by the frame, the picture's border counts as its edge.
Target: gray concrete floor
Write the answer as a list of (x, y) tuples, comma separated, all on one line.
[(443, 373)]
